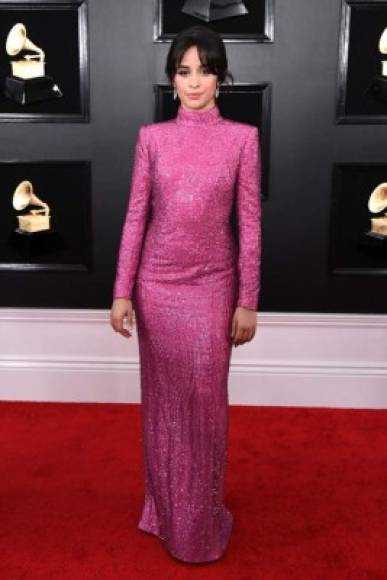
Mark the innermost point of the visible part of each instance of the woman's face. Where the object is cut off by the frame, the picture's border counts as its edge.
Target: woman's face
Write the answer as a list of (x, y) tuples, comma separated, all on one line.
[(191, 79)]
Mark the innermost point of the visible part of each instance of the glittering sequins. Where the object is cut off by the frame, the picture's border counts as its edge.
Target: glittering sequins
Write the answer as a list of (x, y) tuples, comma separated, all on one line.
[(185, 273)]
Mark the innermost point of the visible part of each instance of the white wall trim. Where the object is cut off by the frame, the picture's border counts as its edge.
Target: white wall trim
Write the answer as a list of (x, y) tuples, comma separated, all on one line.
[(267, 318), (295, 359)]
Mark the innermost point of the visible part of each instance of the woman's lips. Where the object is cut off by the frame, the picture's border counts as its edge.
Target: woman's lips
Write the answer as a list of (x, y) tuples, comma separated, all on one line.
[(193, 96)]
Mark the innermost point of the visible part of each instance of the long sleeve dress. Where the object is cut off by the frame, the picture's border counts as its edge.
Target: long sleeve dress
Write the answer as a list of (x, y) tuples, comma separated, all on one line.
[(185, 273)]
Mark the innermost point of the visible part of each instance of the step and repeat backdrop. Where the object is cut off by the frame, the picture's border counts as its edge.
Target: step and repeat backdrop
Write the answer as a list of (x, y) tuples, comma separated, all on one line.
[(78, 78)]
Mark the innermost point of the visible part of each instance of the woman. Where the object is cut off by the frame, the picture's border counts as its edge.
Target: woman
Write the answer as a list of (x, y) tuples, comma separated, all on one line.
[(194, 287)]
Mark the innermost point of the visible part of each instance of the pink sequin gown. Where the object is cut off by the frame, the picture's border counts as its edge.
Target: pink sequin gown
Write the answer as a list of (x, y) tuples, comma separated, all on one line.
[(185, 272)]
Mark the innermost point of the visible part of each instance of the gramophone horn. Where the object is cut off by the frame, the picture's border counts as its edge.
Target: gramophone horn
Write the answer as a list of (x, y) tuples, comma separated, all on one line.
[(378, 198), (17, 40), (383, 42), (22, 195)]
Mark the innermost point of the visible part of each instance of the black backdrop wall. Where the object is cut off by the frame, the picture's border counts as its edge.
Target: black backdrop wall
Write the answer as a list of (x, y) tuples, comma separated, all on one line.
[(305, 142)]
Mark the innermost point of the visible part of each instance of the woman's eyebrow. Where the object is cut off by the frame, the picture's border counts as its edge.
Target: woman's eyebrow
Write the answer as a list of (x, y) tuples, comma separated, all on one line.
[(186, 66)]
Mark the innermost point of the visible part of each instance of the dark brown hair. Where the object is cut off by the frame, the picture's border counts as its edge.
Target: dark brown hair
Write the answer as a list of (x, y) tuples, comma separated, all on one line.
[(211, 49)]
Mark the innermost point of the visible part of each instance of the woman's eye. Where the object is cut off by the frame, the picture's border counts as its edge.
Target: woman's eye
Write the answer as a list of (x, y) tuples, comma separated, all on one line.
[(184, 72)]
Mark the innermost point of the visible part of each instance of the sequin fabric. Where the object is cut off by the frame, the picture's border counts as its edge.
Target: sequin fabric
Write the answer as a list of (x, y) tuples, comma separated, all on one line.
[(185, 272)]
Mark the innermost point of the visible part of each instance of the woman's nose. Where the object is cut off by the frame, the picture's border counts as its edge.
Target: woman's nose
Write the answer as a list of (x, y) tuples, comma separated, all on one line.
[(194, 83)]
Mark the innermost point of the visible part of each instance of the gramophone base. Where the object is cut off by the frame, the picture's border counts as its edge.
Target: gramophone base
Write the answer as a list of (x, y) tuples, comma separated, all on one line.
[(205, 9), (378, 88), (26, 91), (35, 244), (374, 244)]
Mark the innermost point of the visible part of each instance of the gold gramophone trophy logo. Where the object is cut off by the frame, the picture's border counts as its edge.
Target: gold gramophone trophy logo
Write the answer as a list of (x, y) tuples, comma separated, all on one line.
[(28, 82), (36, 220), (375, 239), (33, 237), (377, 203), (210, 10), (378, 87)]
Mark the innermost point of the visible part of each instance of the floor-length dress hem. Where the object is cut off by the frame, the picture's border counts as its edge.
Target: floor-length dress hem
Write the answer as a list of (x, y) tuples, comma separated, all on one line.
[(150, 524), (144, 528)]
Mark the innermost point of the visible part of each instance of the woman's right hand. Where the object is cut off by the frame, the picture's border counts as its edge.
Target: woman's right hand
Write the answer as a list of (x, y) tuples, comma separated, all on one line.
[(121, 308)]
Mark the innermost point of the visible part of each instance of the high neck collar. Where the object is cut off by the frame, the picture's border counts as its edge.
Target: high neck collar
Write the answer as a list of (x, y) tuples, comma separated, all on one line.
[(198, 117)]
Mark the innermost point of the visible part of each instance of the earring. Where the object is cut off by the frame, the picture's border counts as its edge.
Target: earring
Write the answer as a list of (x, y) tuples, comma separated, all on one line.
[(217, 91), (174, 93)]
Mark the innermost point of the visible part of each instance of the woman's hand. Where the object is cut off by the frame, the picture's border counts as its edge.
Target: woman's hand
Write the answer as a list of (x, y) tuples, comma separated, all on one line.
[(121, 307), (244, 325)]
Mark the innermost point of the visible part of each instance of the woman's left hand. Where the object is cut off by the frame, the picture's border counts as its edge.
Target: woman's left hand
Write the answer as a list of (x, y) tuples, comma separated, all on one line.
[(244, 324)]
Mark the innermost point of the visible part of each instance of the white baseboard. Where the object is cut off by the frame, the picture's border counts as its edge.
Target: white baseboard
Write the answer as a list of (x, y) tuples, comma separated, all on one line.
[(316, 360)]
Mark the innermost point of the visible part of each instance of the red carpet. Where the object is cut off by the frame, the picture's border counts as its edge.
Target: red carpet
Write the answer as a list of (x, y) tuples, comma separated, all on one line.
[(307, 487)]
